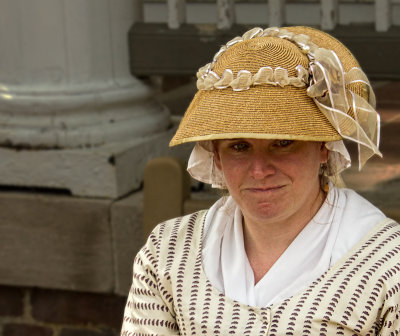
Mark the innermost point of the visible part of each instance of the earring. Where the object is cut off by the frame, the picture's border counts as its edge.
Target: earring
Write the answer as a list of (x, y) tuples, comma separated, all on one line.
[(326, 187), (324, 180)]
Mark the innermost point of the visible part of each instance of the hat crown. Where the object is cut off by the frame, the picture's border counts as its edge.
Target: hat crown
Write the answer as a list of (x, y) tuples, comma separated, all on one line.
[(258, 52)]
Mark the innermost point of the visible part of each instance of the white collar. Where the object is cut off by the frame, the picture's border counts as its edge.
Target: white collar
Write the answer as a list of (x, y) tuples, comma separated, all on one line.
[(343, 219)]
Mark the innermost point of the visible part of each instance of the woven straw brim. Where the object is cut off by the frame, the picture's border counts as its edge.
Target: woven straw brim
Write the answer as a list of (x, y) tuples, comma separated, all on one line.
[(221, 114)]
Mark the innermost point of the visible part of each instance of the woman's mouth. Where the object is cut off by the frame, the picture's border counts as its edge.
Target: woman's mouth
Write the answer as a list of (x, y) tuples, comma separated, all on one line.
[(265, 189)]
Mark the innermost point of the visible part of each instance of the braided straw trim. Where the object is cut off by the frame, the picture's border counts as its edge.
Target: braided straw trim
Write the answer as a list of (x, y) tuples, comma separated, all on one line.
[(209, 80), (245, 79)]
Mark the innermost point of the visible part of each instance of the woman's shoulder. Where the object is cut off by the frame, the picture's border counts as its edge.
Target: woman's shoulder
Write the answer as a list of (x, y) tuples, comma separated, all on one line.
[(389, 230), (169, 237), (381, 244), (357, 213), (386, 229), (358, 220), (177, 227), (358, 202)]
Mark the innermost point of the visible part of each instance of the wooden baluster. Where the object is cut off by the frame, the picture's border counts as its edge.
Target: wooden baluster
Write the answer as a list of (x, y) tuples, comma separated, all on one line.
[(176, 13), (383, 15), (226, 14), (329, 14), (276, 13)]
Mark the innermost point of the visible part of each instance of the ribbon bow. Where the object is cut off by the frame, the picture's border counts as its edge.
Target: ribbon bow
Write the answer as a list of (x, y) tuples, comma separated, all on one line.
[(351, 115)]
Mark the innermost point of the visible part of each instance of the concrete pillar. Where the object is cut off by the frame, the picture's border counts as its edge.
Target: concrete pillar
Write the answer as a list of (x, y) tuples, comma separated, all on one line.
[(71, 114)]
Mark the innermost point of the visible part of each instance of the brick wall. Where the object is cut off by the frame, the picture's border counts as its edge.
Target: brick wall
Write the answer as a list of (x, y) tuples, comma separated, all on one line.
[(43, 312)]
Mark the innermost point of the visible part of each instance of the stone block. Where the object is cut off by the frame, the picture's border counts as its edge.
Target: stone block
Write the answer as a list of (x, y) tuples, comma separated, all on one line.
[(88, 332), (73, 308), (55, 241), (127, 238), (11, 303), (15, 329), (108, 171)]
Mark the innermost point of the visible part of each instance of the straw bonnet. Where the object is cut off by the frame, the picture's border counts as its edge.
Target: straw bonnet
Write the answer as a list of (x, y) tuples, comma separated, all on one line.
[(294, 83)]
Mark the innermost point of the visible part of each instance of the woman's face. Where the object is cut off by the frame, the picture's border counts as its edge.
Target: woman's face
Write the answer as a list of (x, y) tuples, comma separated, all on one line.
[(271, 180)]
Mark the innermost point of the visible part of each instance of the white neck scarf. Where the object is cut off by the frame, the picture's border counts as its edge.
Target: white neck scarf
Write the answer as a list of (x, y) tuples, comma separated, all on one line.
[(343, 219)]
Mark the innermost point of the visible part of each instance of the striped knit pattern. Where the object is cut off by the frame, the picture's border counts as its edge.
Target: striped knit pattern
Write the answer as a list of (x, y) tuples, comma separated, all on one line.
[(170, 294)]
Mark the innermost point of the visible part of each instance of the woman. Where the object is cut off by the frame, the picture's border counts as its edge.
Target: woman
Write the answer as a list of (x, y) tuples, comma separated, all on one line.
[(288, 252)]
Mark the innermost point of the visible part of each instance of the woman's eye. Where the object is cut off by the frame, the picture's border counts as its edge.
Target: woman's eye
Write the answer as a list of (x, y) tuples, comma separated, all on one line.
[(284, 143), (239, 147)]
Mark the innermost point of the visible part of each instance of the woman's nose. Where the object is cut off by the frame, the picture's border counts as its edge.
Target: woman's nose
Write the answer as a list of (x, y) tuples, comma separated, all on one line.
[(261, 166)]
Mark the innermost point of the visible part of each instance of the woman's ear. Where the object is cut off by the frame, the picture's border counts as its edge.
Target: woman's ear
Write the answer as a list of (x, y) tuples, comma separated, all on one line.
[(324, 153)]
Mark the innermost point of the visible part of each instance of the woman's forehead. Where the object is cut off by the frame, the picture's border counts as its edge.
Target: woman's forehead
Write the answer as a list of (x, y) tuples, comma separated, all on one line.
[(257, 140)]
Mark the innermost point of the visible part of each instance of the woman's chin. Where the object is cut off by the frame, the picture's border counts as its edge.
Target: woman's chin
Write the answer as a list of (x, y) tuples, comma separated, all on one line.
[(265, 211)]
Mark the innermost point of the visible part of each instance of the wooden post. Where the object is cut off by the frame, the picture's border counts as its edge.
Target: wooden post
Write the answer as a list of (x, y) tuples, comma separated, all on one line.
[(137, 11), (166, 187), (276, 13), (329, 14), (383, 15), (176, 13), (226, 14)]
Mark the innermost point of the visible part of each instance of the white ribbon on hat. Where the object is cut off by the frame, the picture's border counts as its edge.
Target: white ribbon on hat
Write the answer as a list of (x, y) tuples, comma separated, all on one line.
[(329, 92)]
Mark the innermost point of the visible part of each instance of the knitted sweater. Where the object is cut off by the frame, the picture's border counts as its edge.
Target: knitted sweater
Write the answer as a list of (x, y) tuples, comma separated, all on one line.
[(170, 294)]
